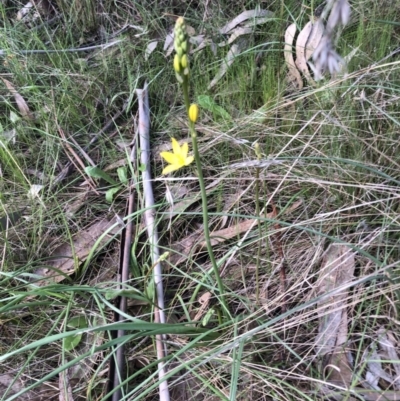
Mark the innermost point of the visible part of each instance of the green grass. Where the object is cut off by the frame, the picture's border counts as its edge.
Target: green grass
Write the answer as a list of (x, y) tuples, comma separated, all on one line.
[(337, 182)]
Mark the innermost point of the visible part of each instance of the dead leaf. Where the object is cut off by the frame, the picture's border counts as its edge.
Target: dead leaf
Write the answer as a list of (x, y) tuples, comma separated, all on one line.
[(337, 270), (169, 43), (194, 242), (313, 40), (293, 77), (245, 29), (204, 301), (28, 13), (242, 30), (34, 191), (301, 45), (200, 42), (244, 16), (10, 385), (75, 203), (21, 103), (307, 41), (388, 345), (150, 48), (65, 387), (66, 259), (372, 359)]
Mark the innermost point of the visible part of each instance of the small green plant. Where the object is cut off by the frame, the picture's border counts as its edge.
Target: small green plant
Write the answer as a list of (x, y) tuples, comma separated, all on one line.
[(71, 342), (96, 172)]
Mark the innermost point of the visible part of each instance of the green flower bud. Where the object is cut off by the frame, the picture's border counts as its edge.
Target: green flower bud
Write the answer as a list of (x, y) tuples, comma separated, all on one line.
[(184, 46), (177, 63), (179, 77), (184, 61), (179, 22)]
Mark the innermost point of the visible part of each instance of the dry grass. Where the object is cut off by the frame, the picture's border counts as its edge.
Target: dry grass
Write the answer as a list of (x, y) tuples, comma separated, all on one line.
[(334, 179)]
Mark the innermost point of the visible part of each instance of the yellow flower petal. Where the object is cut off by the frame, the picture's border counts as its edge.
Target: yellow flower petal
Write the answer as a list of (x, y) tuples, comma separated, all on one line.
[(189, 160), (184, 150), (175, 146), (169, 157), (170, 168)]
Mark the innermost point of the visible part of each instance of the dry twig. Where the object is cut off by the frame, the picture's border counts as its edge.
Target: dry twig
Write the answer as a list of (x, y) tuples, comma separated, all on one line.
[(144, 137)]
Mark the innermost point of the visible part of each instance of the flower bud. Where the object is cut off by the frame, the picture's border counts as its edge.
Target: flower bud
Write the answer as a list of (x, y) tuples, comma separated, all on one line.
[(177, 63), (193, 112), (179, 77), (184, 61)]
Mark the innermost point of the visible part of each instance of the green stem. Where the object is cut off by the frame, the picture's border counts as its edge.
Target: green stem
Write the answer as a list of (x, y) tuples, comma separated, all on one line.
[(205, 217), (259, 233), (204, 202)]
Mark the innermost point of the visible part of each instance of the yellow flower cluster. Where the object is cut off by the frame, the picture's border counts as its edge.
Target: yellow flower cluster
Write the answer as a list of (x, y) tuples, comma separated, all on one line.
[(181, 45)]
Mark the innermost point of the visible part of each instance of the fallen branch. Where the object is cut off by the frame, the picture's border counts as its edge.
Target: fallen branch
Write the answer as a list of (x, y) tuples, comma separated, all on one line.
[(144, 138)]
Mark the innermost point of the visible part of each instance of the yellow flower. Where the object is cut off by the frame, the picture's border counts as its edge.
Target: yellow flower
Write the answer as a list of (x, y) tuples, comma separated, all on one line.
[(193, 112), (178, 158)]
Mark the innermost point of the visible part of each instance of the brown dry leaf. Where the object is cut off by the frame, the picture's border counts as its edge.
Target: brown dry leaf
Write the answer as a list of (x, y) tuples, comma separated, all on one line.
[(195, 241), (65, 387), (313, 40), (306, 43), (377, 371), (337, 270), (168, 47), (76, 203), (245, 29), (239, 31), (301, 45), (244, 16), (387, 343), (293, 77), (150, 48), (9, 386), (21, 103), (67, 257), (204, 301), (230, 232), (28, 13)]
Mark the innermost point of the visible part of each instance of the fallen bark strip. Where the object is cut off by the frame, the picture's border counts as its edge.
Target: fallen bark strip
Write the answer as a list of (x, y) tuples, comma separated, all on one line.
[(144, 138)]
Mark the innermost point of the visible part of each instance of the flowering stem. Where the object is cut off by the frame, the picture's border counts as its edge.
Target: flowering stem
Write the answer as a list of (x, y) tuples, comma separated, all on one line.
[(205, 217), (206, 228)]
